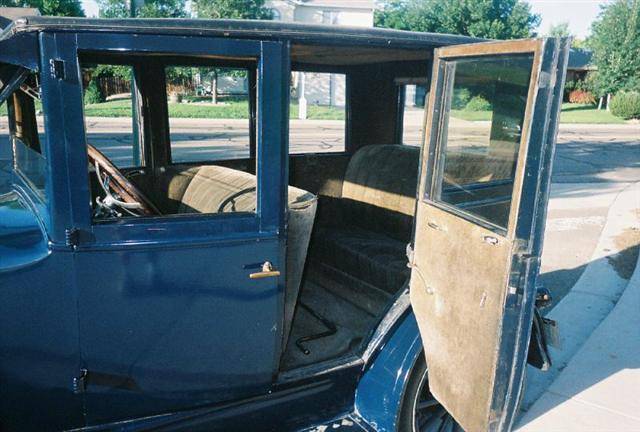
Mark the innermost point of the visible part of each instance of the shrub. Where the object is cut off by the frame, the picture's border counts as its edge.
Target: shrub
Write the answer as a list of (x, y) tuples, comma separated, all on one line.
[(626, 105), (581, 97), (478, 103), (93, 94), (461, 97)]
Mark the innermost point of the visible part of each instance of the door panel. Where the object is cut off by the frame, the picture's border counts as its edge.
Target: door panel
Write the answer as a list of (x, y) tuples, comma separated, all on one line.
[(463, 308), (175, 311), (477, 237), (166, 328)]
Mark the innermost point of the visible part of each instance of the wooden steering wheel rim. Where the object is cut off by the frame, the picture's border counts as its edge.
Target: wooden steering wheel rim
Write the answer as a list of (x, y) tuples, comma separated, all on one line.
[(120, 184)]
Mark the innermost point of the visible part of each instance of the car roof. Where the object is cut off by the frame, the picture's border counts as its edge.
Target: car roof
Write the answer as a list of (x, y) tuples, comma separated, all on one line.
[(275, 30)]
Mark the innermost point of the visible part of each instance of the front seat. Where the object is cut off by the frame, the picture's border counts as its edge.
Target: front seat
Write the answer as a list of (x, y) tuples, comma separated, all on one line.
[(216, 189)]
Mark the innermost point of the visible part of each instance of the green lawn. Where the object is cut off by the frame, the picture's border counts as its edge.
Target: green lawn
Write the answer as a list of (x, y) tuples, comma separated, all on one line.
[(238, 109), (230, 109), (577, 113), (471, 115), (571, 113)]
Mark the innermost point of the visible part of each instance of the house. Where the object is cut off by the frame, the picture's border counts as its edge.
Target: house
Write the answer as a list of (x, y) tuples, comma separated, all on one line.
[(322, 88), (580, 63), (349, 13)]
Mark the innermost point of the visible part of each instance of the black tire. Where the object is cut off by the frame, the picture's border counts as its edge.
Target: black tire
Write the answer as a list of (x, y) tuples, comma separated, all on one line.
[(420, 411)]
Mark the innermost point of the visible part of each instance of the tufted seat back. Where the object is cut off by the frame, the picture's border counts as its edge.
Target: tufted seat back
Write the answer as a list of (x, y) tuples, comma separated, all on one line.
[(379, 189)]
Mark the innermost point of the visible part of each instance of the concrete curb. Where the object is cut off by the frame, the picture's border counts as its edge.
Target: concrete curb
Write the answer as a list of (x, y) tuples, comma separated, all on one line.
[(598, 389), (594, 295)]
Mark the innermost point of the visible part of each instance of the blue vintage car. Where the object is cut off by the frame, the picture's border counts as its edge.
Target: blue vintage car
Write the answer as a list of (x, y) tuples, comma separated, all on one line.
[(147, 285)]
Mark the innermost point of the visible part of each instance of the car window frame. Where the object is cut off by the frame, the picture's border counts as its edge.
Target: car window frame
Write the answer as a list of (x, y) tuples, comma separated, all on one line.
[(37, 196), (324, 69), (267, 221), (437, 143), (252, 99)]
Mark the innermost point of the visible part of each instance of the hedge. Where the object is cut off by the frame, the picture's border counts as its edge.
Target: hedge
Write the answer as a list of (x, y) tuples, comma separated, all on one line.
[(626, 105)]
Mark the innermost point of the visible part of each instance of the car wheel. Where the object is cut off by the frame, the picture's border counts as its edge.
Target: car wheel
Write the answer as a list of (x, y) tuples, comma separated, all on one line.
[(420, 411)]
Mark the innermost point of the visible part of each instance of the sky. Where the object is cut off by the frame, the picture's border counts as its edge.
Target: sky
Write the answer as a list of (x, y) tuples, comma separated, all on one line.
[(578, 13)]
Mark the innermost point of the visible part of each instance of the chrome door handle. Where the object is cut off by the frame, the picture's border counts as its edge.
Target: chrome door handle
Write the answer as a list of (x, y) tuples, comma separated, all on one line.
[(267, 271)]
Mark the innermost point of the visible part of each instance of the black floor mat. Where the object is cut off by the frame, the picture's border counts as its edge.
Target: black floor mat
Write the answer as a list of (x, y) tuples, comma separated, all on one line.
[(351, 322)]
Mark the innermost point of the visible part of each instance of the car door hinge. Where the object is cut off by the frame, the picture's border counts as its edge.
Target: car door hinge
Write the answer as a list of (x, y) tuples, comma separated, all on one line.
[(545, 80), (523, 264), (72, 237), (410, 255), (57, 68), (79, 383), (543, 296)]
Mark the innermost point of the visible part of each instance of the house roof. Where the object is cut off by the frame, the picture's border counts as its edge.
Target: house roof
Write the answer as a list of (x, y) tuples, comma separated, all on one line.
[(580, 59)]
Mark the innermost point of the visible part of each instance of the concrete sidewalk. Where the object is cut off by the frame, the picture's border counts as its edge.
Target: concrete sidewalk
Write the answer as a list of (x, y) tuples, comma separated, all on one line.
[(595, 382)]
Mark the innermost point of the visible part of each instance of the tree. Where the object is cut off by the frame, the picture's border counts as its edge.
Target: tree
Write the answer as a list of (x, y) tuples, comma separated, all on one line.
[(559, 30), (494, 19), (150, 9), (113, 9), (233, 9), (229, 9), (615, 42), (49, 7)]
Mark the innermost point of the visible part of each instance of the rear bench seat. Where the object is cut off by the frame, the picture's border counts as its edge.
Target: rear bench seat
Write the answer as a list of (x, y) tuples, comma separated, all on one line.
[(365, 233)]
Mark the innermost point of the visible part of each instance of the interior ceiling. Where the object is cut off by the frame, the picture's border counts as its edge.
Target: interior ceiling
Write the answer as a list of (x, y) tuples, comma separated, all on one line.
[(353, 55)]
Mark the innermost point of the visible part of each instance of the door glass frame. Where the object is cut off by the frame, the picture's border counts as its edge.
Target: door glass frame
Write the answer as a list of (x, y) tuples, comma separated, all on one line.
[(273, 81), (439, 105), (525, 231)]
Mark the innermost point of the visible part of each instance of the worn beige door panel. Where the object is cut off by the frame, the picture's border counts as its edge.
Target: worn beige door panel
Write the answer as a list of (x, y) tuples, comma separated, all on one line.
[(472, 242), (464, 308)]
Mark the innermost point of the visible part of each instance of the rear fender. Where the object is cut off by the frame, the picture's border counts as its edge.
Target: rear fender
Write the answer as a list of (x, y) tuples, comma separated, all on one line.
[(382, 386)]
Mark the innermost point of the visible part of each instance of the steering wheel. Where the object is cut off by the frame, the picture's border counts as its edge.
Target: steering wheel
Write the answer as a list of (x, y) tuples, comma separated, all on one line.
[(120, 193)]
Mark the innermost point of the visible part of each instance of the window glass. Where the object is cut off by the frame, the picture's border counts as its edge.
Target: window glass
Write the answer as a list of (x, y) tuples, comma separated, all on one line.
[(413, 115), (109, 114), (318, 113), (22, 132), (210, 137), (209, 113), (478, 159)]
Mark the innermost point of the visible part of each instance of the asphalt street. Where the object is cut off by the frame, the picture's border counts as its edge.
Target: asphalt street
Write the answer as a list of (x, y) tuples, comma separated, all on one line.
[(592, 164)]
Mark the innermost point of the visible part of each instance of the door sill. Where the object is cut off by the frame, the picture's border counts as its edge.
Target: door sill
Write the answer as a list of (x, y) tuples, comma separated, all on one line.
[(323, 368)]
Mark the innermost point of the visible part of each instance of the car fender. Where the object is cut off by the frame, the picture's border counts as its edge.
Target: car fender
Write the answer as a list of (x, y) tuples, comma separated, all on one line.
[(381, 389)]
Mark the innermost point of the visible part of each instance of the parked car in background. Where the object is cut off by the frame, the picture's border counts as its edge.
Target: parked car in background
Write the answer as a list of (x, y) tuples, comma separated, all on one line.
[(379, 287)]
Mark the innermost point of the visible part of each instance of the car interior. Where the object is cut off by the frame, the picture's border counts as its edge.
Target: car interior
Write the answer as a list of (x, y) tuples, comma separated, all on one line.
[(350, 209)]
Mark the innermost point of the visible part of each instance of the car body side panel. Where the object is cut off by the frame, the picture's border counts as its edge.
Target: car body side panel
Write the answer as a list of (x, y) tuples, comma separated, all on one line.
[(381, 388), (39, 351), (170, 328), (39, 337), (39, 346)]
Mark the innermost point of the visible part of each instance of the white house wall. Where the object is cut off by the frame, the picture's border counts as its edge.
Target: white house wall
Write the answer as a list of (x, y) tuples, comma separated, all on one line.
[(325, 89), (349, 17)]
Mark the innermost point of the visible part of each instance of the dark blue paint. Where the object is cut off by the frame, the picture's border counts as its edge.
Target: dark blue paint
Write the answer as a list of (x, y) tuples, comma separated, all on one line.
[(382, 386), (39, 338), (23, 240)]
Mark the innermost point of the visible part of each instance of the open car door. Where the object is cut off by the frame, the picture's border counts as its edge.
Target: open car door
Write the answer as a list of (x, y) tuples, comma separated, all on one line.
[(480, 218)]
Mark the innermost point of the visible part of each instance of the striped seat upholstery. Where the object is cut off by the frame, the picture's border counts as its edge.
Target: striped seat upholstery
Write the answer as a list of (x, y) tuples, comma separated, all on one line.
[(365, 237)]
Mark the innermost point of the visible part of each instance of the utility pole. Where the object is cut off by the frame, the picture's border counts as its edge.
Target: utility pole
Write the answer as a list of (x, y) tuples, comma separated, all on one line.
[(302, 100), (136, 5)]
